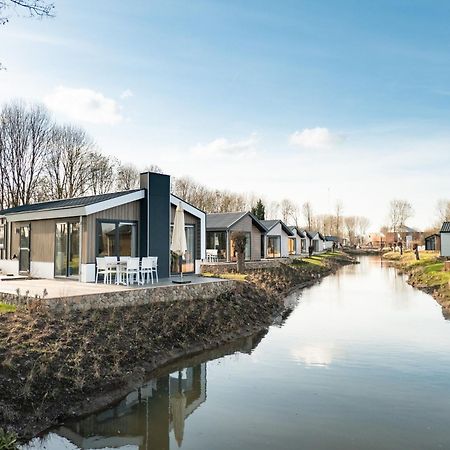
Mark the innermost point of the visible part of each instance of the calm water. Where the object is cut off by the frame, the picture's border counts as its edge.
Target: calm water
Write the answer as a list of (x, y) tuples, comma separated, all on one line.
[(362, 362)]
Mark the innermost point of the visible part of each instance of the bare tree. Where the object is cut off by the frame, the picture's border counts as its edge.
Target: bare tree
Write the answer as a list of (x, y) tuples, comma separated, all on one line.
[(35, 8), (209, 200), (24, 138), (239, 239), (399, 212), (287, 210), (69, 162), (308, 214), (338, 208), (101, 172), (363, 225), (443, 210), (153, 168), (351, 223), (127, 177)]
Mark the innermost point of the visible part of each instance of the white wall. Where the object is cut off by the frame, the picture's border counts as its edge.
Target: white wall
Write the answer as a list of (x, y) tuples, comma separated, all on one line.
[(42, 269), (277, 230), (9, 266), (445, 244)]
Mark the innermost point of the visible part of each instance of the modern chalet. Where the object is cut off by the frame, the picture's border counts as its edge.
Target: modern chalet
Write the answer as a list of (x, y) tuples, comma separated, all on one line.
[(62, 238)]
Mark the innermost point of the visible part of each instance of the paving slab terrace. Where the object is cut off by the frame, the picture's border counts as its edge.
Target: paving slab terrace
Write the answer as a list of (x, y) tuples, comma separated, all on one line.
[(60, 288)]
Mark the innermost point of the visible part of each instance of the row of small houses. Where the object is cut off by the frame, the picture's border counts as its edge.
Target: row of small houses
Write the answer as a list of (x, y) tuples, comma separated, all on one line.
[(265, 238), (63, 238)]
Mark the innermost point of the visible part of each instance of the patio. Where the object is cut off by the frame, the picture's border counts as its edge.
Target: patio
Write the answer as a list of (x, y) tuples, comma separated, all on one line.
[(61, 288)]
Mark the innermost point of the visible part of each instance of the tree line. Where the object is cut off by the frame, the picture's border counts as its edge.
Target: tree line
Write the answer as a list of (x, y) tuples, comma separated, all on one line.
[(42, 160)]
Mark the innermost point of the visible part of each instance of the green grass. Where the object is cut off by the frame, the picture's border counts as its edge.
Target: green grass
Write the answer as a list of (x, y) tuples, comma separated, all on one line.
[(427, 271), (226, 276), (5, 308)]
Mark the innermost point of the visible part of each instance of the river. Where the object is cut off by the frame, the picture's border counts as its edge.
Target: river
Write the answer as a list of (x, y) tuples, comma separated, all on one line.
[(361, 362)]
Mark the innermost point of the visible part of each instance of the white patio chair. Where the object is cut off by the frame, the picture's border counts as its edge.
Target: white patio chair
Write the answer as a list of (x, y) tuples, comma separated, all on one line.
[(111, 267), (124, 258), (154, 268), (101, 269), (146, 270), (132, 271)]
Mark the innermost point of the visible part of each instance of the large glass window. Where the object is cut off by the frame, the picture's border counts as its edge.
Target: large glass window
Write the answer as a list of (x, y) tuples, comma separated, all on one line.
[(217, 240), (188, 265), (304, 249), (274, 246), (107, 239), (248, 250), (127, 239), (291, 244), (115, 238)]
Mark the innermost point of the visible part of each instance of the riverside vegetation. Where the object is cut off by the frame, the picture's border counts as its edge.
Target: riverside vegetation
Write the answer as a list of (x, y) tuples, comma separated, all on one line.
[(56, 365), (427, 274)]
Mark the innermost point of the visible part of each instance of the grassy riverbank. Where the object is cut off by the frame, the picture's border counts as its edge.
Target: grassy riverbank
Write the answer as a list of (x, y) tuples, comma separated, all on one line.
[(57, 365), (5, 308), (427, 274)]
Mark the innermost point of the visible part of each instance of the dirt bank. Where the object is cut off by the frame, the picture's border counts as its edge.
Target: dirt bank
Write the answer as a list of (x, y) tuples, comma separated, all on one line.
[(426, 274), (54, 366)]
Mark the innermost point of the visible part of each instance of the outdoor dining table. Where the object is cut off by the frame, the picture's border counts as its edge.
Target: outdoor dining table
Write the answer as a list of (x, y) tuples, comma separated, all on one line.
[(120, 272)]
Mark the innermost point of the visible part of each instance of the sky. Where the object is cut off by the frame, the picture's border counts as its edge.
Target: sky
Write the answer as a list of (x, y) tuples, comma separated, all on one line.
[(318, 100)]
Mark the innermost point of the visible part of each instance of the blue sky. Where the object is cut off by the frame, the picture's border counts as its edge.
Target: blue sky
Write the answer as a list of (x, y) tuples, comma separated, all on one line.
[(310, 100)]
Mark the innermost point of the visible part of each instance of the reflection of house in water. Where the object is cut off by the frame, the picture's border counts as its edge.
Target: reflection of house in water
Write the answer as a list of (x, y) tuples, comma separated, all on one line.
[(145, 418)]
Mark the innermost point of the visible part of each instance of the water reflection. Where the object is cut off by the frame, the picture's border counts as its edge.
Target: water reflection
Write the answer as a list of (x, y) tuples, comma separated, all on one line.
[(147, 417)]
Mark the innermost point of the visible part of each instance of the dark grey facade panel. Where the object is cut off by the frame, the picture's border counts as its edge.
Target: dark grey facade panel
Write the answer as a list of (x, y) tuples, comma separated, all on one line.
[(159, 221)]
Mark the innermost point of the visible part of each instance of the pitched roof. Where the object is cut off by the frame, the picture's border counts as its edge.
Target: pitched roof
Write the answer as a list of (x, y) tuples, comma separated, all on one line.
[(269, 224), (66, 203), (332, 238), (224, 221), (445, 227), (311, 234)]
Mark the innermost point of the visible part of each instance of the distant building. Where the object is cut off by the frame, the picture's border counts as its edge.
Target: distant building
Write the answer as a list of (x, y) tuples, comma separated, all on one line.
[(329, 241), (433, 242), (407, 235), (376, 240), (445, 239)]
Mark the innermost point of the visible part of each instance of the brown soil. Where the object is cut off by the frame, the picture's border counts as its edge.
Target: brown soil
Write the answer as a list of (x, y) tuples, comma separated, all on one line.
[(53, 366)]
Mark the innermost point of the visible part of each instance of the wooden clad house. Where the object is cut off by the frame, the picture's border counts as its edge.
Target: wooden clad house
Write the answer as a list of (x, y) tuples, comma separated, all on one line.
[(219, 235), (62, 238)]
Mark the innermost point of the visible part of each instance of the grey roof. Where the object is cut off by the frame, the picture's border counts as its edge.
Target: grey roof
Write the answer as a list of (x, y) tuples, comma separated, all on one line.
[(332, 238), (66, 203), (269, 224), (311, 234), (445, 227), (223, 221), (432, 236)]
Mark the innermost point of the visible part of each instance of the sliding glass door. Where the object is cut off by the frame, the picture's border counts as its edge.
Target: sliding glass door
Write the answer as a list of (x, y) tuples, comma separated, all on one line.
[(274, 246), (188, 264), (67, 249)]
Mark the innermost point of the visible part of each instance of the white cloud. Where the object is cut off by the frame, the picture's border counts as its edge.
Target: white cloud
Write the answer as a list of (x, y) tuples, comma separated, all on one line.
[(84, 105), (127, 93), (223, 147), (317, 138)]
